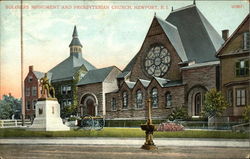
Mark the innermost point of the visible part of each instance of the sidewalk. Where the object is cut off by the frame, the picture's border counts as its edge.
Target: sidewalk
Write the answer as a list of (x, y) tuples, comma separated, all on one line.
[(127, 141)]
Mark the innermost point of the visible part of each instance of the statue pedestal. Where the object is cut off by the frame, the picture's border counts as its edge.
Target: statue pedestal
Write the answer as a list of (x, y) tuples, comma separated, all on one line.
[(48, 117)]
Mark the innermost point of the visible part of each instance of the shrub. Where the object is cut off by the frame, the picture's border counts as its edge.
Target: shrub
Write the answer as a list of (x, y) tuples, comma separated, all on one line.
[(246, 114), (179, 113), (170, 127), (214, 103)]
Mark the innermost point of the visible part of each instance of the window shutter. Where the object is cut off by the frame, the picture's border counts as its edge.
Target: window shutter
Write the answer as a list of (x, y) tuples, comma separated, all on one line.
[(237, 68), (247, 67), (246, 40)]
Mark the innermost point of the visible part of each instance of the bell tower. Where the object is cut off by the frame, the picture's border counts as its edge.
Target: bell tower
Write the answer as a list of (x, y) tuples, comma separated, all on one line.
[(75, 45)]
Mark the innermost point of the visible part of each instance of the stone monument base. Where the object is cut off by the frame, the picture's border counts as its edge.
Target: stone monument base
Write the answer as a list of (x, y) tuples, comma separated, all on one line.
[(48, 117), (149, 147)]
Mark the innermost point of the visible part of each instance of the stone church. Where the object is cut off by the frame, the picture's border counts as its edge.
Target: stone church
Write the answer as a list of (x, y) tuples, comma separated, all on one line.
[(175, 67)]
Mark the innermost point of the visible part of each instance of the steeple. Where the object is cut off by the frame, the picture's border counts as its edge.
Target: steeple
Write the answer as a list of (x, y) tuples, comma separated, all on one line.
[(75, 34), (194, 2), (75, 45)]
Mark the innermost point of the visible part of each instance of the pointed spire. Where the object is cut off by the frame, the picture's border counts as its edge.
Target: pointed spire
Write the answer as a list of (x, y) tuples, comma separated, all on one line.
[(75, 41), (172, 9), (155, 14), (194, 3), (75, 34)]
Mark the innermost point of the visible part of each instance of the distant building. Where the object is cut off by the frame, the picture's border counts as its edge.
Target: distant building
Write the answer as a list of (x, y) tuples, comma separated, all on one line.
[(64, 77), (32, 91), (234, 58)]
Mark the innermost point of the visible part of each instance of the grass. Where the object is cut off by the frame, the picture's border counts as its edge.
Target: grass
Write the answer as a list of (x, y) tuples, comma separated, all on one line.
[(122, 132)]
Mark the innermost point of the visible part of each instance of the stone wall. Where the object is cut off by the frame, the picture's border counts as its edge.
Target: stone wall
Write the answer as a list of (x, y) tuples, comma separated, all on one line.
[(198, 80), (156, 36), (132, 112), (91, 89)]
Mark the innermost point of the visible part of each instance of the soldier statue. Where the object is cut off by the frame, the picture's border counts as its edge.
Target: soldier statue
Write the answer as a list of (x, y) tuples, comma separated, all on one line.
[(47, 90)]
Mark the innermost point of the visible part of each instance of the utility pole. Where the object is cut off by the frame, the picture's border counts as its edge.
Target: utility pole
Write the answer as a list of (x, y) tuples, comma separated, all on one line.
[(22, 90)]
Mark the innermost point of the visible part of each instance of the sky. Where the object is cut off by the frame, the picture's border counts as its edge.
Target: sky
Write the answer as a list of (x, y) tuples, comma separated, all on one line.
[(111, 32)]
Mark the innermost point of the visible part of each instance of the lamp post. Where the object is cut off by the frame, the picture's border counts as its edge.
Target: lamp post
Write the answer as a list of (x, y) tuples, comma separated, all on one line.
[(149, 129)]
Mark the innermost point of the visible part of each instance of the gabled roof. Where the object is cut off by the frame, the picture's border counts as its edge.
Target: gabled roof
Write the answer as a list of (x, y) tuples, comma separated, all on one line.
[(161, 81), (173, 35), (130, 84), (145, 83), (67, 68), (40, 75), (200, 40), (190, 33), (95, 76), (233, 34)]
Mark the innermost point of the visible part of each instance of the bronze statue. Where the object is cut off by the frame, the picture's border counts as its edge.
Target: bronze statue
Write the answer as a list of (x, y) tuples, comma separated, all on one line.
[(48, 90)]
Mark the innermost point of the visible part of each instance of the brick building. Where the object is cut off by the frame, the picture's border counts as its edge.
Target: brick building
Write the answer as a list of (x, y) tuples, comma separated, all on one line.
[(32, 91), (175, 67), (234, 69)]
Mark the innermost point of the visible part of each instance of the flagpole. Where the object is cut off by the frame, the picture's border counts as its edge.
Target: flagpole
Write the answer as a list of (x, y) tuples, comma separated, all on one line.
[(22, 90)]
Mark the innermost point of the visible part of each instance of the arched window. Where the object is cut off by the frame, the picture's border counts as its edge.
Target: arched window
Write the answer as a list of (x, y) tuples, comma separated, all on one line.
[(125, 100), (197, 108), (154, 96), (168, 98), (113, 104), (139, 99)]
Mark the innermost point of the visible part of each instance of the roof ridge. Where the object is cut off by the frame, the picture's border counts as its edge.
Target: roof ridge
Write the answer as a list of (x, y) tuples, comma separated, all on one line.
[(210, 30), (183, 8), (165, 21)]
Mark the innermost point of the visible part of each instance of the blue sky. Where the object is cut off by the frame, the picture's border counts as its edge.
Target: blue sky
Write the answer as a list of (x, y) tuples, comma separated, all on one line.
[(109, 36)]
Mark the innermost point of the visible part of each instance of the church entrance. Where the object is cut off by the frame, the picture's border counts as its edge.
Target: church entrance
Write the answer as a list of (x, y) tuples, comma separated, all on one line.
[(195, 97), (88, 105)]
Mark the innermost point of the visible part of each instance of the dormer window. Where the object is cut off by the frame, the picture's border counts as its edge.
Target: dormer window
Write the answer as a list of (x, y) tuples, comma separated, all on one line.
[(246, 41)]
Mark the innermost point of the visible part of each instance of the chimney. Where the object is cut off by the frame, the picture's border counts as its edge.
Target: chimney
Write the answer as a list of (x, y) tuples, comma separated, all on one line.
[(225, 34), (30, 68)]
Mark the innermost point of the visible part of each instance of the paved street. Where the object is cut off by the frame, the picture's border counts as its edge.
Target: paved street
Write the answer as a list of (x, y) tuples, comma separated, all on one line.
[(119, 152), (121, 148), (111, 141)]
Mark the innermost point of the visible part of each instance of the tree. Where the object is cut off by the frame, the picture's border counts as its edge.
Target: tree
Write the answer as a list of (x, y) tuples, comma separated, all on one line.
[(9, 106), (214, 103), (67, 111), (246, 114)]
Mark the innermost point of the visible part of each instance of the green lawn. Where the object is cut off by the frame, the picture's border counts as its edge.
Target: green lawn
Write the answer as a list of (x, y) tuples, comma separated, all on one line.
[(122, 132)]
